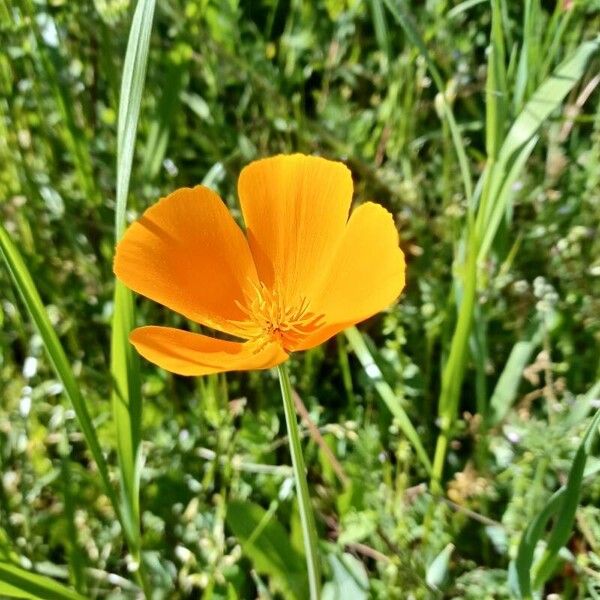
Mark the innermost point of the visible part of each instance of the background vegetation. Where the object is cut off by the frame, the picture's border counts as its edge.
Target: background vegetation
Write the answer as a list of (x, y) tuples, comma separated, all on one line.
[(450, 453)]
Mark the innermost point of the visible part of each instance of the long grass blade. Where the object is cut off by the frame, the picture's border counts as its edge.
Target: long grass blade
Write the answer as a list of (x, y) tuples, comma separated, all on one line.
[(26, 288), (524, 65), (553, 38), (535, 530), (130, 99), (126, 405), (7, 552), (75, 554), (307, 518), (16, 582), (126, 396), (496, 89), (454, 368), (358, 345)]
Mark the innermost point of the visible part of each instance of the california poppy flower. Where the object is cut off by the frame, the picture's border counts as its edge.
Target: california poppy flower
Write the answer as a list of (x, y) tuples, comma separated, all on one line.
[(303, 271)]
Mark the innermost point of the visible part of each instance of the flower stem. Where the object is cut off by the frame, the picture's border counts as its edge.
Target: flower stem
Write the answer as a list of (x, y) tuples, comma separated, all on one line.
[(309, 532)]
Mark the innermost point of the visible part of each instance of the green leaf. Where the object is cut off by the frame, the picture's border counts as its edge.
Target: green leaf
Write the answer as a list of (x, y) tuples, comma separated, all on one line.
[(505, 392), (16, 582), (270, 551), (437, 572), (349, 579)]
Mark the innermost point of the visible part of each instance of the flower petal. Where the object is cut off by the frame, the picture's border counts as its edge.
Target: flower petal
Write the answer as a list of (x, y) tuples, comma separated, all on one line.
[(295, 208), (366, 276), (188, 353), (187, 253)]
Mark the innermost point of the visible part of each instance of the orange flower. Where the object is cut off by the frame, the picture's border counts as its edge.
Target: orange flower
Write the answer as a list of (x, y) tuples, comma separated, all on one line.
[(302, 273)]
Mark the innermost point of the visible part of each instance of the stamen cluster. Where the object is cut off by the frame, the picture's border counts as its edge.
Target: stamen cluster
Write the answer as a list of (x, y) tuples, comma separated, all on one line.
[(272, 318)]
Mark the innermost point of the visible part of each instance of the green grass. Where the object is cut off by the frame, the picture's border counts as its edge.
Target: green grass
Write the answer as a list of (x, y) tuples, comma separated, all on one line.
[(463, 420)]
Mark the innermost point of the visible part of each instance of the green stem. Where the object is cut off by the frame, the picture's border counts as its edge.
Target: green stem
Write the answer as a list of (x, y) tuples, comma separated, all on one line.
[(140, 575), (438, 462), (454, 368), (306, 515)]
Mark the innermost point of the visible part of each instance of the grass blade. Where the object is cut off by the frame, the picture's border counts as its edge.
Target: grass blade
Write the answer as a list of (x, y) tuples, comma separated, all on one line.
[(496, 89), (75, 553), (27, 290), (533, 533), (130, 99), (358, 345), (503, 196), (553, 38), (16, 582), (524, 75), (454, 368), (126, 405), (463, 7), (7, 553), (126, 396)]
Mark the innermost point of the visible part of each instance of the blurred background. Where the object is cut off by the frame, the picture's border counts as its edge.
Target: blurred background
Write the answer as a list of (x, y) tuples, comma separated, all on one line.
[(228, 82)]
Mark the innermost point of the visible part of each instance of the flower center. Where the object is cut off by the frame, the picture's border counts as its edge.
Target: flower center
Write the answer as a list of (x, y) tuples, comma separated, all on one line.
[(272, 319)]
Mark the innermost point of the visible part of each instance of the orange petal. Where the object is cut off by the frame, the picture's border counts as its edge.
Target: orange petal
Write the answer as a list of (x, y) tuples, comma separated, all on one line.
[(189, 353), (295, 208), (366, 276), (187, 253)]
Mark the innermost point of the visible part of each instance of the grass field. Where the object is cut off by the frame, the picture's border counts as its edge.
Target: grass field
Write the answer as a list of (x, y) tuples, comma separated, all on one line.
[(450, 441)]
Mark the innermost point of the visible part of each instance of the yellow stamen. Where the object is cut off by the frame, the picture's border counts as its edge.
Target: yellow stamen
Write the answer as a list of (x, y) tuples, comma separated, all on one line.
[(270, 319)]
